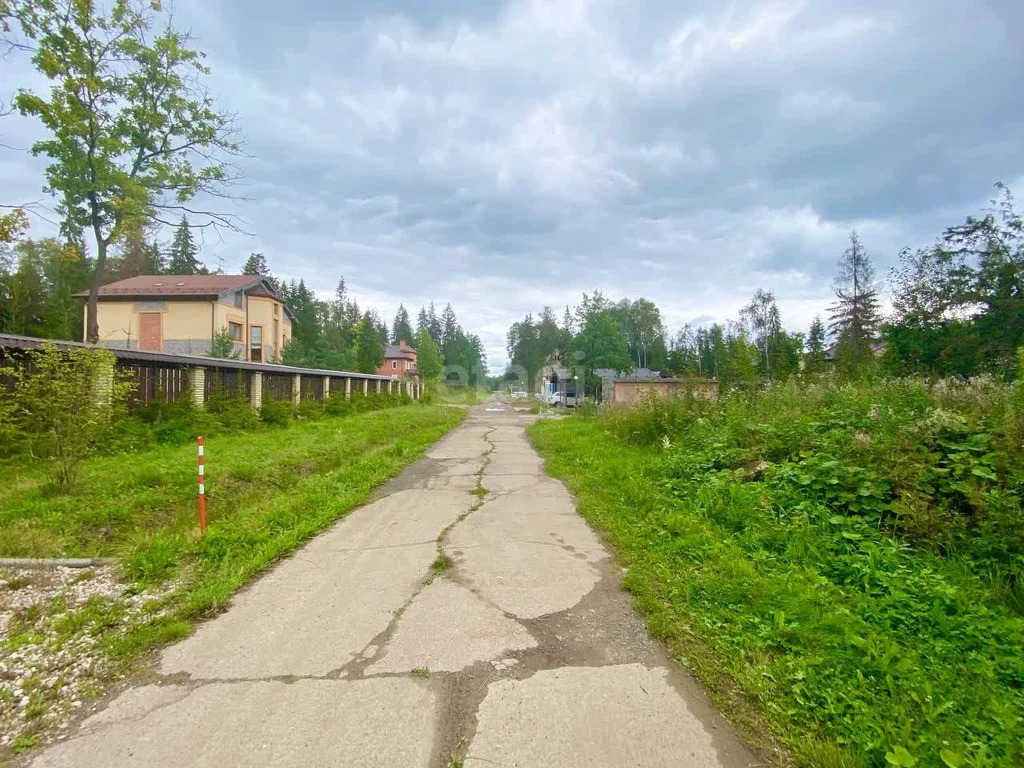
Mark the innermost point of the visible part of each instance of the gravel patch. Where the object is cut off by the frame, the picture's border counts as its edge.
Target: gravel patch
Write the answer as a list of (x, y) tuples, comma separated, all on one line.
[(52, 622)]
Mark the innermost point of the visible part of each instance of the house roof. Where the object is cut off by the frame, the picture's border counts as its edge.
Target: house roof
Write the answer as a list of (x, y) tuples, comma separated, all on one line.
[(393, 350), (176, 285), (637, 374), (187, 287)]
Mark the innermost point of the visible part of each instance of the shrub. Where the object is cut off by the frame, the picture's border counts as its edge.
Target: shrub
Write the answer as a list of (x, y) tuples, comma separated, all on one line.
[(277, 413), (64, 405)]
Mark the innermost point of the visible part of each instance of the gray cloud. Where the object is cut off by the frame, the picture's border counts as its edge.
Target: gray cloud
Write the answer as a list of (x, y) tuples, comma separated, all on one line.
[(507, 156)]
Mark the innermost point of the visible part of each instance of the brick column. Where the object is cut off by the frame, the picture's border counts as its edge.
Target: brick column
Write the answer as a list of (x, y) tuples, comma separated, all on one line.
[(255, 389), (297, 388), (327, 387), (197, 385), (105, 379), (348, 387)]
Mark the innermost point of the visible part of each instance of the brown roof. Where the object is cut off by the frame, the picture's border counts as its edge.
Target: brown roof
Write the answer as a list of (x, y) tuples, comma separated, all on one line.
[(394, 351), (177, 285)]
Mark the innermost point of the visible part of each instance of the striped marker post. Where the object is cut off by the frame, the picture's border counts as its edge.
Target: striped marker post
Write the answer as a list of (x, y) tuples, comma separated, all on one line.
[(202, 489)]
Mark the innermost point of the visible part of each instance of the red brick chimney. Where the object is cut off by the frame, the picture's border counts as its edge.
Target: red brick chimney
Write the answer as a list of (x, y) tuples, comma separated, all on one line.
[(401, 344)]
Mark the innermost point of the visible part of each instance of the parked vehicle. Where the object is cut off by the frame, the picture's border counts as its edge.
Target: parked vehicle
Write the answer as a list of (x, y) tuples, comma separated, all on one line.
[(562, 400), (519, 395)]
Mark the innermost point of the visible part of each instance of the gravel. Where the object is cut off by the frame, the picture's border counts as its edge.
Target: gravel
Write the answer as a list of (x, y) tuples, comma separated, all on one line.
[(51, 666)]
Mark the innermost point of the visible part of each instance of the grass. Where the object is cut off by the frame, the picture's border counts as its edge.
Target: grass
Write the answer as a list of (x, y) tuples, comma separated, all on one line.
[(441, 565), (818, 619), (268, 492)]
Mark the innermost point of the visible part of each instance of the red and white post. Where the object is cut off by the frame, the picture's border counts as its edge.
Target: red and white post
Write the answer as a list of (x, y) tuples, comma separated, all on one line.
[(202, 488)]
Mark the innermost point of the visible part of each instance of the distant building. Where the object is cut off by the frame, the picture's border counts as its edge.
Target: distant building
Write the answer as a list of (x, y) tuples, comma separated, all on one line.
[(399, 360), (182, 313)]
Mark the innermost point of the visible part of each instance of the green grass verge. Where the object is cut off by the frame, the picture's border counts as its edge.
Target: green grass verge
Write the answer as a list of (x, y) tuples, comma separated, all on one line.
[(847, 646), (267, 493)]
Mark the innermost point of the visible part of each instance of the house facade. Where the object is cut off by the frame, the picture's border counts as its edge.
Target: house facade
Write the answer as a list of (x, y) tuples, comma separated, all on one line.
[(399, 360), (182, 314)]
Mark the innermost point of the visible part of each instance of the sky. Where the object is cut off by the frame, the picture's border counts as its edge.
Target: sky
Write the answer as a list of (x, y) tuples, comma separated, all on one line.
[(503, 156)]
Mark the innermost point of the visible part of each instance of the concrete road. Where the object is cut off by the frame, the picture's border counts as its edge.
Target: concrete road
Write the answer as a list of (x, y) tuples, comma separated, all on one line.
[(469, 614)]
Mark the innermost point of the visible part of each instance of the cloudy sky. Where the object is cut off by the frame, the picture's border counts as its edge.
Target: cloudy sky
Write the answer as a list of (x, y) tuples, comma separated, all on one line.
[(504, 156)]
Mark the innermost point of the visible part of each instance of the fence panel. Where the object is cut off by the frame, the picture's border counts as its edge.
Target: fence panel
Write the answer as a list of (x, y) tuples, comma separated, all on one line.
[(221, 382), (151, 382), (312, 387), (277, 386)]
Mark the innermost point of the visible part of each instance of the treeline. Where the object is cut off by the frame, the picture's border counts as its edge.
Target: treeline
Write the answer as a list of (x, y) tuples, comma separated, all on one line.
[(337, 334), (958, 309), (38, 278)]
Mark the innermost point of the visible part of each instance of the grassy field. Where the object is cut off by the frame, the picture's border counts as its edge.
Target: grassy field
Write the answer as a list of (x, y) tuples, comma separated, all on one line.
[(840, 565), (268, 491)]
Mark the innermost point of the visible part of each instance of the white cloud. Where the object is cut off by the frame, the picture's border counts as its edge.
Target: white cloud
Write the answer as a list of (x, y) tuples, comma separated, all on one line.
[(511, 159)]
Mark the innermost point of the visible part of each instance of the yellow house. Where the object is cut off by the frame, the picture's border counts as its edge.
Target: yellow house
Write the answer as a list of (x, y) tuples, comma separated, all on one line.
[(182, 313)]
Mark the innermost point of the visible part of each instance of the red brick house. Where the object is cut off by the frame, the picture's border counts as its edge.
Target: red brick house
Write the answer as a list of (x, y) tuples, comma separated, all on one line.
[(399, 360)]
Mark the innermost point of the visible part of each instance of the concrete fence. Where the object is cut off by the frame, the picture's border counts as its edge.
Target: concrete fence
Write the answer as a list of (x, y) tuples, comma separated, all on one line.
[(169, 377)]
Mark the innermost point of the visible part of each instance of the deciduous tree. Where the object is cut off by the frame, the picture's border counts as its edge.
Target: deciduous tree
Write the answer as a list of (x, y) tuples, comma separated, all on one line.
[(132, 134)]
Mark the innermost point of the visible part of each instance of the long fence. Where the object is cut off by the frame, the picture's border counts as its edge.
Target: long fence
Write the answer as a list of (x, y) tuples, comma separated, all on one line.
[(169, 377)]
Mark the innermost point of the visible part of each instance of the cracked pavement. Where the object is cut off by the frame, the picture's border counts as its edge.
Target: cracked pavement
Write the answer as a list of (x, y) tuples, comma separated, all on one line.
[(472, 568)]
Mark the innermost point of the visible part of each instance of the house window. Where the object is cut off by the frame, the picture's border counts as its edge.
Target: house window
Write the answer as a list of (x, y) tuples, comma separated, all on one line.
[(256, 344), (237, 299), (394, 365), (235, 329)]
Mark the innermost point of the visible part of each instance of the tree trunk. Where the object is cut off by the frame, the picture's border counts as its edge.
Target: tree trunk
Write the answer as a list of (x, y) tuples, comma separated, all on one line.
[(92, 332)]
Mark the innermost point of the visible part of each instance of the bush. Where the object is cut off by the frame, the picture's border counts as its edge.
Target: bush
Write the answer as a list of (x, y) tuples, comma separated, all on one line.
[(277, 413), (64, 406)]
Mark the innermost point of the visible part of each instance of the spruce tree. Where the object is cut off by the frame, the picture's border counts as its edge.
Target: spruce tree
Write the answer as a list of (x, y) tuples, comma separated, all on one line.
[(184, 252), (815, 360), (401, 329), (256, 264), (855, 317)]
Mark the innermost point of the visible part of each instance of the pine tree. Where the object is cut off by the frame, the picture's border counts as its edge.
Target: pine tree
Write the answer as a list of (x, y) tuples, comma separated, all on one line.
[(855, 317), (401, 329), (422, 322), (184, 252), (815, 360)]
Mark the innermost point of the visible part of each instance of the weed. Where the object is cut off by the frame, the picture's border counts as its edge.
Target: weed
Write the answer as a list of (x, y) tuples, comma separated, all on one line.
[(420, 672), (479, 492), (442, 564), (24, 741), (14, 583)]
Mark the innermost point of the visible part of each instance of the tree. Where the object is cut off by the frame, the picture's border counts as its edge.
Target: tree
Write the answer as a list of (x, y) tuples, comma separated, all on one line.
[(761, 317), (401, 329), (855, 317), (369, 349), (428, 356), (222, 345), (815, 359), (256, 265), (434, 325), (136, 256), (601, 343), (132, 134), (184, 252)]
